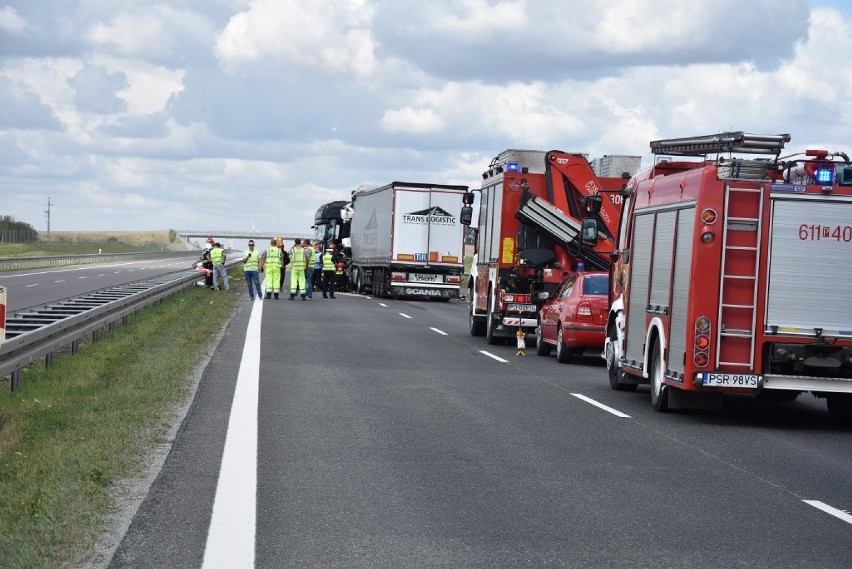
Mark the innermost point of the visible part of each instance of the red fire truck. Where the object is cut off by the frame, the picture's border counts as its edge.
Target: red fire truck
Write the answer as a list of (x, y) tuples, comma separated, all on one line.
[(731, 274), (531, 208)]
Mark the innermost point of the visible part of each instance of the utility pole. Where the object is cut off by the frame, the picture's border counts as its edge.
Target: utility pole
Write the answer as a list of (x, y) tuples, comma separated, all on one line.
[(47, 214)]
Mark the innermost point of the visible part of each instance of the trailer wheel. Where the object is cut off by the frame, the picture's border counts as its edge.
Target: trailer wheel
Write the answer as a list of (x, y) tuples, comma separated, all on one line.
[(613, 367), (563, 354), (659, 391), (839, 409), (541, 348)]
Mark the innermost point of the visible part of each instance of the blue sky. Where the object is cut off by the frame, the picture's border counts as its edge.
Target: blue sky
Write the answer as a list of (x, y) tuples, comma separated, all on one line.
[(145, 115)]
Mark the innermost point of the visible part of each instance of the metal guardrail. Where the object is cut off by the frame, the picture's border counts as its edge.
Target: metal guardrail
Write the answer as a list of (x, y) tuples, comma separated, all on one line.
[(39, 331), (19, 263)]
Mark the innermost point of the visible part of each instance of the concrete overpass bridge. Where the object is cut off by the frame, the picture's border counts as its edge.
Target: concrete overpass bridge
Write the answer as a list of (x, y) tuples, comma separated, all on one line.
[(227, 238)]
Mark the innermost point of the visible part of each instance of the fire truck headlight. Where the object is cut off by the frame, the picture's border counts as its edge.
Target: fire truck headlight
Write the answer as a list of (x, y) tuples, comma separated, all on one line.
[(708, 236)]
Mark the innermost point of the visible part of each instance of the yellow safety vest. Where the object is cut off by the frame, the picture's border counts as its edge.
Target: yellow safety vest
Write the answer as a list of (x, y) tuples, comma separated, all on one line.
[(251, 262), (327, 262), (217, 256), (297, 257), (273, 257)]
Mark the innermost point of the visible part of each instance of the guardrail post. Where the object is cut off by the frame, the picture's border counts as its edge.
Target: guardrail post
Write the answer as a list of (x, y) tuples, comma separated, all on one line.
[(16, 380), (2, 313)]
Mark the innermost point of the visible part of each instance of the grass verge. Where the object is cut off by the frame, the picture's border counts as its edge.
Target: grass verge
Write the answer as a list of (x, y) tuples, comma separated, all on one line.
[(89, 420)]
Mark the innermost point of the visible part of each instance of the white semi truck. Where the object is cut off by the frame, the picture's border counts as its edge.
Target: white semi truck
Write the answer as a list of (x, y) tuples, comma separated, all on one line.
[(406, 240)]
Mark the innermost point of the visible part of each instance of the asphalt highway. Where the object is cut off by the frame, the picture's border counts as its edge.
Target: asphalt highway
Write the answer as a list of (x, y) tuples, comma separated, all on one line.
[(360, 432), (38, 286)]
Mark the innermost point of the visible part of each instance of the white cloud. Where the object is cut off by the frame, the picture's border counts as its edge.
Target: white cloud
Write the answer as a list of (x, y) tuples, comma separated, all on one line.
[(411, 120), (327, 36), (11, 22)]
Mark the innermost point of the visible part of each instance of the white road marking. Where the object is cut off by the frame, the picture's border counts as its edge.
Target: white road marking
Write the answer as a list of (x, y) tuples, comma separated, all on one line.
[(62, 281), (600, 405), (102, 275), (839, 514), (441, 332), (492, 356), (29, 285), (404, 315), (383, 304), (231, 537), (82, 277)]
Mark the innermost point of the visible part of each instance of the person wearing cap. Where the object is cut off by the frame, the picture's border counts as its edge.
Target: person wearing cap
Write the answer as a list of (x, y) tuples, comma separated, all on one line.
[(251, 260), (207, 264), (270, 262), (328, 272), (218, 258)]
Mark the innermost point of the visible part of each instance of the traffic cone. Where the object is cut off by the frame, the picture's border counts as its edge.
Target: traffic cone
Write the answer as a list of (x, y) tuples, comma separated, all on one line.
[(522, 344)]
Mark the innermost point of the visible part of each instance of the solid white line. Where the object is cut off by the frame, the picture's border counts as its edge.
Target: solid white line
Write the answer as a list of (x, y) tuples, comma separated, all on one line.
[(492, 356), (600, 405), (231, 537), (839, 514), (441, 332), (404, 315)]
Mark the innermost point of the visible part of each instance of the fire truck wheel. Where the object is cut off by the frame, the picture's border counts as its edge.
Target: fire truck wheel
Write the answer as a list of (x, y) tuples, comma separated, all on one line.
[(659, 391), (839, 408), (477, 325), (541, 348), (491, 327), (563, 354), (614, 371)]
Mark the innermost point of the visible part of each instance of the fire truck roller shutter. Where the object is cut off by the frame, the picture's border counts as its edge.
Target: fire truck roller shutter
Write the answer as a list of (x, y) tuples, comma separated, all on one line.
[(661, 277), (639, 282), (680, 288), (810, 268)]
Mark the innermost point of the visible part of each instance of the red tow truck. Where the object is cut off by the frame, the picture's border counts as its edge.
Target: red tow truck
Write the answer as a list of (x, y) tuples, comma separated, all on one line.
[(531, 207)]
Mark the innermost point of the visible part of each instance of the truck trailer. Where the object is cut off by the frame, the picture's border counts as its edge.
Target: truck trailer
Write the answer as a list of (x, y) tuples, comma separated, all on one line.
[(406, 240), (730, 274)]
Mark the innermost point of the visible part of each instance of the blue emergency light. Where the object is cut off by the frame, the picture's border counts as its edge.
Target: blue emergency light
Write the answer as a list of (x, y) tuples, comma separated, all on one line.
[(824, 176), (513, 167)]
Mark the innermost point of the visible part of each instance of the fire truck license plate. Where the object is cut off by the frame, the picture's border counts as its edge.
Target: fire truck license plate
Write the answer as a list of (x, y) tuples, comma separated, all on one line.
[(730, 380), (514, 307)]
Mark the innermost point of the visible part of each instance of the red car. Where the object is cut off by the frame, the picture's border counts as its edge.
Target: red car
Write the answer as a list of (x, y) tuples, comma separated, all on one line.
[(573, 319)]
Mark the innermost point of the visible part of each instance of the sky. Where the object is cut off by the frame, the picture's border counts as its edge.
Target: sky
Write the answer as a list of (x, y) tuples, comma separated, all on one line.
[(139, 115)]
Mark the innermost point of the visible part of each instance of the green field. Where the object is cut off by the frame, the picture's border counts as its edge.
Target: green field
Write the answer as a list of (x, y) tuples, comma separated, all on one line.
[(76, 430)]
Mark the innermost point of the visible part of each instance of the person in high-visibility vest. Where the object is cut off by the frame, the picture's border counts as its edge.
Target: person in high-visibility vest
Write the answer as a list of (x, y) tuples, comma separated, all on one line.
[(309, 267), (328, 273), (218, 257), (270, 263), (251, 260), (298, 262)]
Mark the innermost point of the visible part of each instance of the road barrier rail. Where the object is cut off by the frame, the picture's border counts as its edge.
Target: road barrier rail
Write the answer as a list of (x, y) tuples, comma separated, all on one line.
[(39, 331), (22, 263)]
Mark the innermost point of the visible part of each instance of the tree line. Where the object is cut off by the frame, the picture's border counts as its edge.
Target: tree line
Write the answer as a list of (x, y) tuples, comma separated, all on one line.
[(14, 231)]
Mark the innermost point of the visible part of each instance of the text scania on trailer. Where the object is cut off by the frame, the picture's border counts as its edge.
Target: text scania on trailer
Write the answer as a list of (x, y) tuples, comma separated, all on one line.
[(731, 274), (405, 239), (531, 210)]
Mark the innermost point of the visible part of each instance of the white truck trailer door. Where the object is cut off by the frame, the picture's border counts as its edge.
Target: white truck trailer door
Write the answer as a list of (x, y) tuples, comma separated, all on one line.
[(427, 225)]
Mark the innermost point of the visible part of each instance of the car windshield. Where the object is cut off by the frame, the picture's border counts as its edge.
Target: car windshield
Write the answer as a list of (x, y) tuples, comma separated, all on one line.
[(596, 284)]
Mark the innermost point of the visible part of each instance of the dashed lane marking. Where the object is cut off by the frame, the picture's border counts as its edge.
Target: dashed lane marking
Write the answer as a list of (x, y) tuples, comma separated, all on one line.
[(441, 332), (404, 315), (492, 356), (600, 405), (839, 514)]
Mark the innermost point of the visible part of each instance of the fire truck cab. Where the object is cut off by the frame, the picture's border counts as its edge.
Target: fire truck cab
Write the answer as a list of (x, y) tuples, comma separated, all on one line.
[(730, 274)]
